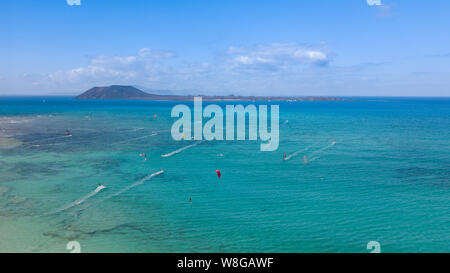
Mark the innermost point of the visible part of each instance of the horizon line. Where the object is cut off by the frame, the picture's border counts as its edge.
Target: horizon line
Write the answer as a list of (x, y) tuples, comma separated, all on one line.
[(280, 96)]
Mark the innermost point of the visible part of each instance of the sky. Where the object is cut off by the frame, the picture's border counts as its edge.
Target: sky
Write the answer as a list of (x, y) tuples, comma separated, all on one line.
[(241, 47)]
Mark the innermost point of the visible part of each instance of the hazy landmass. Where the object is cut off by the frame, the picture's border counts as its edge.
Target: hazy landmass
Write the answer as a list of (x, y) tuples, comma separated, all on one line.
[(132, 93)]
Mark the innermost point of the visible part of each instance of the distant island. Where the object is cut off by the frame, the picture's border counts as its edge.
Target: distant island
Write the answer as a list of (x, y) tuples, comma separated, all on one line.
[(132, 93)]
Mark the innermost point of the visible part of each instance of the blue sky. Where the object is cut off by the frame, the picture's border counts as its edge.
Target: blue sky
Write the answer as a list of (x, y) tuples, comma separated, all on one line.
[(248, 47)]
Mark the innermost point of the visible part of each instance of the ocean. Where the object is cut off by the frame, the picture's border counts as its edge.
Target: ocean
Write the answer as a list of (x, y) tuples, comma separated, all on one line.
[(386, 178)]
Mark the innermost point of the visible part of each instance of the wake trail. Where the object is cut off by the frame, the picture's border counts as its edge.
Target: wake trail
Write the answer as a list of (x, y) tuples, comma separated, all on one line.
[(319, 151), (136, 138), (148, 177), (79, 201), (299, 151), (181, 149)]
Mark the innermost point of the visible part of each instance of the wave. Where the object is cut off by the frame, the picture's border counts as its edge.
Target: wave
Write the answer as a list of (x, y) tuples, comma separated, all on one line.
[(181, 149)]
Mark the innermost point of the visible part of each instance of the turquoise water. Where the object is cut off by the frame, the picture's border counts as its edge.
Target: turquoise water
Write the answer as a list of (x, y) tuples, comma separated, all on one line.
[(386, 179)]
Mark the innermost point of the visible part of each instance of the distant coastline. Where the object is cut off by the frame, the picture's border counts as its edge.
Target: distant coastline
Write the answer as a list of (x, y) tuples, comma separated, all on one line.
[(132, 93)]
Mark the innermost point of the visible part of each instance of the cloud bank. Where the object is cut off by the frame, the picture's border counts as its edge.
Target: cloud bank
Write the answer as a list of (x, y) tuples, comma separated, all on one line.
[(252, 70), (286, 69)]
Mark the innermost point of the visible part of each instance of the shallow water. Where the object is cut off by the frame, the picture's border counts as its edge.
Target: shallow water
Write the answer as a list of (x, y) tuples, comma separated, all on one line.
[(387, 178)]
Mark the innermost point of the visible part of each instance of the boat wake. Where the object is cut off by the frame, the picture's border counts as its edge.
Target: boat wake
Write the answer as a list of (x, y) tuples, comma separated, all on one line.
[(181, 149)]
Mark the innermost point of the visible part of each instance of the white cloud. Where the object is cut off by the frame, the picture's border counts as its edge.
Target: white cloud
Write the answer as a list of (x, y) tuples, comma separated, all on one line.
[(261, 69), (73, 2), (153, 69), (146, 64), (276, 69), (146, 52), (277, 56), (374, 2)]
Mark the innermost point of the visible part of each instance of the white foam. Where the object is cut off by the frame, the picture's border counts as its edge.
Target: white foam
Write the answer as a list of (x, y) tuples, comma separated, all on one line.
[(148, 177), (180, 150)]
